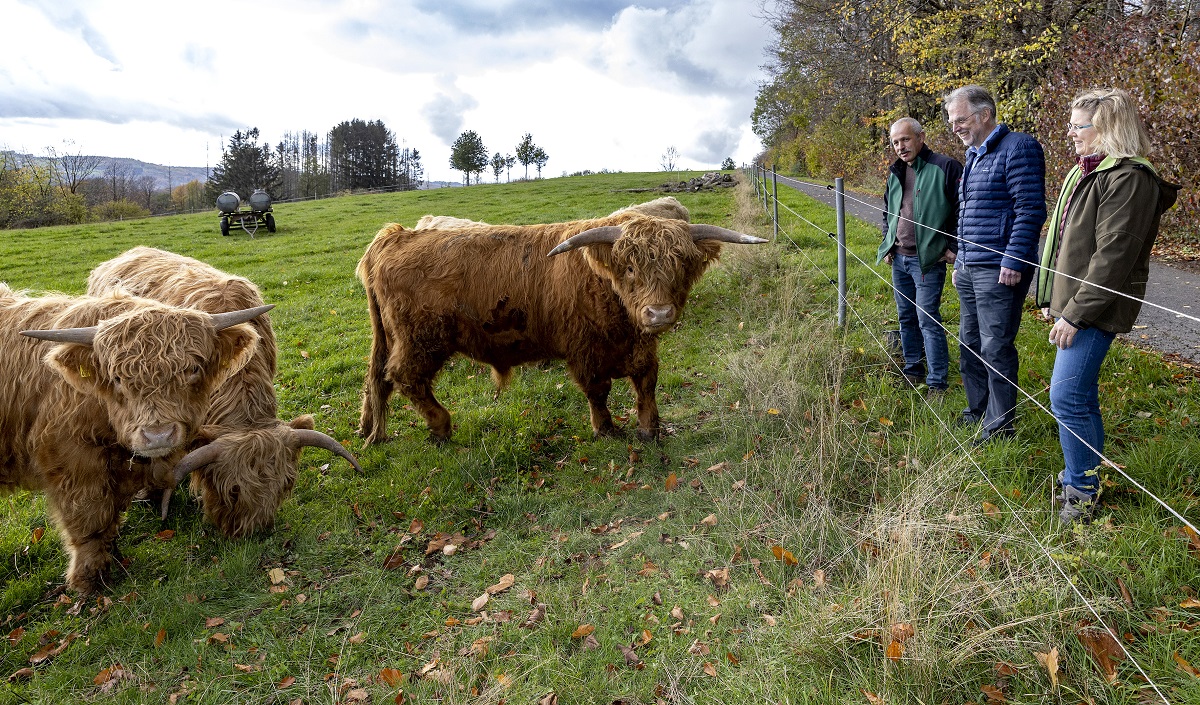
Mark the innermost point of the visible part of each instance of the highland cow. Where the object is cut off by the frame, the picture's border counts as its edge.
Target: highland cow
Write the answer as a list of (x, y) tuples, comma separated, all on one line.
[(595, 293), (246, 461), (95, 394)]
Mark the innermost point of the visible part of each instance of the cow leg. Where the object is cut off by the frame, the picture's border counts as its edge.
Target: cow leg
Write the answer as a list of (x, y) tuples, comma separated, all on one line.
[(644, 383), (597, 388), (88, 514)]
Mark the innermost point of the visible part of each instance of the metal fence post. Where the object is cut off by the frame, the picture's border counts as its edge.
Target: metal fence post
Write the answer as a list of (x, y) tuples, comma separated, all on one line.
[(840, 206), (764, 187), (775, 215)]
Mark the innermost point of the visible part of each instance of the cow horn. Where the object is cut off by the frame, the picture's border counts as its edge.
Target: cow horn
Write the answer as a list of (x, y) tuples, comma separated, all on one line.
[(713, 232), (225, 320), (605, 233), (82, 336), (317, 439)]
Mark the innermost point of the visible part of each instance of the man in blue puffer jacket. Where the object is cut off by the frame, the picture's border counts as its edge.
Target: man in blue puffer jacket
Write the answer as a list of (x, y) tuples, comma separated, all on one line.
[(1002, 205)]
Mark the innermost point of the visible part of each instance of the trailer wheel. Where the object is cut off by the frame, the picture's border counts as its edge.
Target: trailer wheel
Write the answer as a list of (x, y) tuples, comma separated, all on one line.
[(270, 222), (225, 225)]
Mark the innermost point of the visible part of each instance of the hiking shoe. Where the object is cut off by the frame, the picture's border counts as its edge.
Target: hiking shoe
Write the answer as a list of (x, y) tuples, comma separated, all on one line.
[(1075, 505), (914, 380), (936, 394), (985, 436)]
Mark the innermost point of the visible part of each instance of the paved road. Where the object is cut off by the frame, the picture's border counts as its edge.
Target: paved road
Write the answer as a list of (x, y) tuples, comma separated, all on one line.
[(1173, 287)]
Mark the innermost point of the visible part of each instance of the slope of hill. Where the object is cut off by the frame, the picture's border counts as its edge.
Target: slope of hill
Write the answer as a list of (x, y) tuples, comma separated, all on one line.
[(164, 176)]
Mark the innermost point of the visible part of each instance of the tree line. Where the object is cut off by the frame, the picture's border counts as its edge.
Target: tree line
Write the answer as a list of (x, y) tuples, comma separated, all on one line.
[(841, 71), (67, 186), (469, 155)]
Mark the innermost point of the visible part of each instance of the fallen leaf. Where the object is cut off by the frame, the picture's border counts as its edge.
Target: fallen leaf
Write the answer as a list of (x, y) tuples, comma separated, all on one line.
[(165, 535), (480, 602), (677, 613), (733, 660), (1050, 662), (1128, 598), (671, 482), (819, 578), (537, 615), (160, 637), (506, 581), (873, 698), (358, 638), (276, 575), (38, 533), (647, 637), (1184, 665), (213, 622), (784, 555), (590, 643), (770, 620), (1189, 603), (885, 421), (1103, 647), (895, 650), (21, 674), (1005, 668), (421, 582), (15, 635), (710, 520), (358, 695), (712, 601), (287, 682), (416, 526), (901, 631), (550, 698), (631, 657), (991, 510), (582, 630), (719, 578), (994, 694), (219, 637), (391, 676), (710, 669)]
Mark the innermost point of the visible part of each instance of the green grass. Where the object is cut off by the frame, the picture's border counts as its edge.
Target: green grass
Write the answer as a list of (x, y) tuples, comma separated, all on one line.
[(783, 431)]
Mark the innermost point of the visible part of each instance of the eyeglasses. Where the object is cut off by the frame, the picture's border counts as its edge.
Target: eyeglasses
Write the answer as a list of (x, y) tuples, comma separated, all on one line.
[(1072, 127), (959, 122)]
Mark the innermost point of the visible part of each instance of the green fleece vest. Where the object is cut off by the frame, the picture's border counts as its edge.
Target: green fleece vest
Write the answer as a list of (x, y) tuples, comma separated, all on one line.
[(930, 210)]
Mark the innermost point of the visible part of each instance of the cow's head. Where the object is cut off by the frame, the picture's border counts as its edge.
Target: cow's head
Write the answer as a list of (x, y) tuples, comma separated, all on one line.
[(244, 475), (653, 262), (152, 368)]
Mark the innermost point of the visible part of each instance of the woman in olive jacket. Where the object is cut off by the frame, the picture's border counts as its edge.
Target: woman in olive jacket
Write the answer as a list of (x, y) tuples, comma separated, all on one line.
[(1101, 232)]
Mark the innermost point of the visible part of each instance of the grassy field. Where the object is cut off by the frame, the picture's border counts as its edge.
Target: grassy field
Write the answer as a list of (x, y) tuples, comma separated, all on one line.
[(807, 530)]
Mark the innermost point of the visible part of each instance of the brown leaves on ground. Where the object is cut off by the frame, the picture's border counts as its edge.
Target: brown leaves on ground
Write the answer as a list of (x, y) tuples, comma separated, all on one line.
[(583, 630), (1184, 666), (993, 694), (111, 677), (784, 555), (631, 656), (51, 646), (506, 581), (537, 615), (900, 633), (671, 483), (872, 698), (719, 578), (392, 677), (1102, 645), (1049, 661)]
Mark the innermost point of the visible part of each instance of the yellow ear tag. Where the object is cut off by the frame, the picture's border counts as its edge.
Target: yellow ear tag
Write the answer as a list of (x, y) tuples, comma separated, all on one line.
[(83, 372)]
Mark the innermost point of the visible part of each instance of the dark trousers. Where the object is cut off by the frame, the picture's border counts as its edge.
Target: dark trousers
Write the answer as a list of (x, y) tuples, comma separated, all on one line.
[(990, 314)]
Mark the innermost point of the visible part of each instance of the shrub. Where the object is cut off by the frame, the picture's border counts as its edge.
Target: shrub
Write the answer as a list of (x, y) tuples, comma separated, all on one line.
[(119, 210)]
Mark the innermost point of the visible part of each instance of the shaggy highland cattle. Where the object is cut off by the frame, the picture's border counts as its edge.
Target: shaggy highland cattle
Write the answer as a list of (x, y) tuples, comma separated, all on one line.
[(246, 461), (595, 293), (95, 394)]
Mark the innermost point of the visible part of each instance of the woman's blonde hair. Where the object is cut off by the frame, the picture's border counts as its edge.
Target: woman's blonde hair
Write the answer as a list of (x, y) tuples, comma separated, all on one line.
[(1119, 130)]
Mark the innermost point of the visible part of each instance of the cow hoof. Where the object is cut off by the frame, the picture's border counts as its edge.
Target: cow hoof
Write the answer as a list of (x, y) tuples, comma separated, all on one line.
[(647, 436)]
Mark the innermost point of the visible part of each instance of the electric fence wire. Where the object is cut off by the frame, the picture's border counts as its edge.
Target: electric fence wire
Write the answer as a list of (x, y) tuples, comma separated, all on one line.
[(1104, 459), (1008, 504)]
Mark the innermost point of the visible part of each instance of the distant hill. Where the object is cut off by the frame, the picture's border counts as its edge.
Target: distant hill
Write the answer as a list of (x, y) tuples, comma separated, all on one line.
[(164, 176)]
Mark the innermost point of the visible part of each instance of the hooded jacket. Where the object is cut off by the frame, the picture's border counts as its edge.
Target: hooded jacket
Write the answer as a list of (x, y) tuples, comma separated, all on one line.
[(935, 205), (1104, 238), (1002, 202)]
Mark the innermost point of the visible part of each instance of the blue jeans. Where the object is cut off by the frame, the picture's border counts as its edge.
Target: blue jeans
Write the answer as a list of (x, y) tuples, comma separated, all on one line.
[(990, 314), (1075, 401), (918, 305)]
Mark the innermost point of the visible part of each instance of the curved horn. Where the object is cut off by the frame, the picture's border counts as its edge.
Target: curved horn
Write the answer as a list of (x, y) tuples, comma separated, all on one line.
[(604, 233), (320, 440), (166, 502), (82, 336), (195, 460), (713, 232), (225, 320)]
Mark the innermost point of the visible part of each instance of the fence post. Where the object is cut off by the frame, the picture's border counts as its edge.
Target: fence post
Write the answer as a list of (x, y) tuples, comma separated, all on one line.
[(775, 216), (765, 203), (840, 206)]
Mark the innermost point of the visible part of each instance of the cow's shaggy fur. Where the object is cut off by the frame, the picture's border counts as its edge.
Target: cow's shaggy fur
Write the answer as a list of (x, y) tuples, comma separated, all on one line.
[(242, 489), (90, 425), (491, 293)]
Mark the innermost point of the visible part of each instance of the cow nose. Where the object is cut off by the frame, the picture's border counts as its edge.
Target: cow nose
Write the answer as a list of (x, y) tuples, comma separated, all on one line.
[(658, 316), (164, 435)]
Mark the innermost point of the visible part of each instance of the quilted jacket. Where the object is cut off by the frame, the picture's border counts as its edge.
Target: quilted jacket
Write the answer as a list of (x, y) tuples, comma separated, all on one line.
[(1002, 202)]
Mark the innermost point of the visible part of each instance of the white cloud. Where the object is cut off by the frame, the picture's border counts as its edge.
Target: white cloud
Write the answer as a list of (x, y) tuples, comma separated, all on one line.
[(599, 83)]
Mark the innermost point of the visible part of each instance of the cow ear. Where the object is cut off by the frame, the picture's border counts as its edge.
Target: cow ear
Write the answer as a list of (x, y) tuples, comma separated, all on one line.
[(711, 249), (599, 258), (303, 423), (235, 345), (77, 365)]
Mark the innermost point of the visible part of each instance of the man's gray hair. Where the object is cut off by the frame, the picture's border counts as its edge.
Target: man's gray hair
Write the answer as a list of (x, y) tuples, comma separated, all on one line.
[(977, 97), (912, 123)]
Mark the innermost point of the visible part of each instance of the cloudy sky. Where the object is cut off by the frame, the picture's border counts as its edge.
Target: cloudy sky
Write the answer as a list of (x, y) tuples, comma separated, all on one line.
[(598, 83)]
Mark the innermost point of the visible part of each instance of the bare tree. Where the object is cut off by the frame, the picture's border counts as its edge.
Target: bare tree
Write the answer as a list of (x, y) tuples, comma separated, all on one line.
[(117, 178), (70, 170), (670, 158), (144, 186)]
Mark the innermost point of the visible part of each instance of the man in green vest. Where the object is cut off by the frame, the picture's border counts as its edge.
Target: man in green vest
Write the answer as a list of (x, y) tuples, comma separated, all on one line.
[(920, 227)]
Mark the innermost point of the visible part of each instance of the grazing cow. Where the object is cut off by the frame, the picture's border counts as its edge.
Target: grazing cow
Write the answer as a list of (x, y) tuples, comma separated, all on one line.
[(95, 392), (595, 293), (248, 462)]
